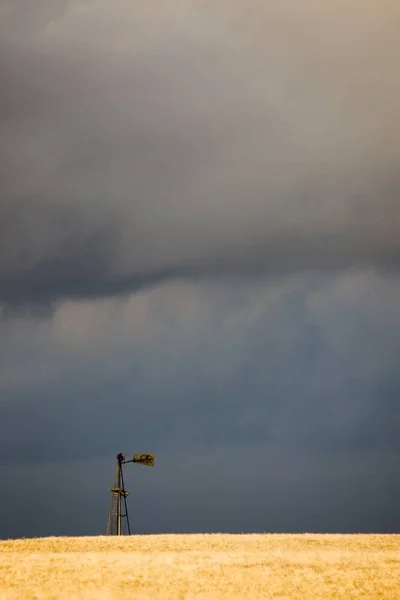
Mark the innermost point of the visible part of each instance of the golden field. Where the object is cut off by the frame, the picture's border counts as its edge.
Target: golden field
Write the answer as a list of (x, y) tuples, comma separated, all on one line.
[(218, 566)]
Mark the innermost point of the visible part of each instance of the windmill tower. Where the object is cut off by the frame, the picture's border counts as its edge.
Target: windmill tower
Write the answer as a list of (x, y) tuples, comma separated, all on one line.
[(118, 519)]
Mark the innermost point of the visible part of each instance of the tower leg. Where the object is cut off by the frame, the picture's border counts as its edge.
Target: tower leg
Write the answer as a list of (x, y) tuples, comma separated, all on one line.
[(119, 500), (115, 516)]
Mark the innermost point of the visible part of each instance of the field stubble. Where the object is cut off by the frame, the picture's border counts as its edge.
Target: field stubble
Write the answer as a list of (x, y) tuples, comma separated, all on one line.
[(194, 567)]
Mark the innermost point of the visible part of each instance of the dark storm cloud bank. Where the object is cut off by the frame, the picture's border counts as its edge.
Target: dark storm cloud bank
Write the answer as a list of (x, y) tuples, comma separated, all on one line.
[(97, 421), (140, 144), (291, 380), (285, 421)]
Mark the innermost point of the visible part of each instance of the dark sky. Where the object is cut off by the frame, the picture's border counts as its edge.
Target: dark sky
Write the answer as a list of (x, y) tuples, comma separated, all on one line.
[(199, 257)]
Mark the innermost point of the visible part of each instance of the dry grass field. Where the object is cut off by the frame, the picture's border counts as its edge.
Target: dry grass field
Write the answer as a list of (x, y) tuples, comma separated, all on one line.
[(174, 567)]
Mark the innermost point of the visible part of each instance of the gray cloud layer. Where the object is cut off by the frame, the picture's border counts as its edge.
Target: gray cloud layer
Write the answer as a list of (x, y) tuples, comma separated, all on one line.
[(142, 142), (279, 398)]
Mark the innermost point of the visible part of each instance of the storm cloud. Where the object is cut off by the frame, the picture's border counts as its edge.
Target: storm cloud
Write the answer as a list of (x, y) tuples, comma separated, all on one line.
[(141, 143), (268, 407), (199, 256)]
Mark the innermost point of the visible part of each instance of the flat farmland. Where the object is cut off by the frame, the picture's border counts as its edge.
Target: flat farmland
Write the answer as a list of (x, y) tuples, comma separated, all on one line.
[(217, 566)]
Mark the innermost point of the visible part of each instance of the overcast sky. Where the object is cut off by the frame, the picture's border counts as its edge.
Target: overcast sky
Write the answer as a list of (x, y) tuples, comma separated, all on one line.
[(199, 256)]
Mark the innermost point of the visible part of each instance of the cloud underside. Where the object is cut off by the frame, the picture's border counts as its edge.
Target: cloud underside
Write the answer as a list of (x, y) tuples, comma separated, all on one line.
[(141, 144), (300, 363), (261, 395)]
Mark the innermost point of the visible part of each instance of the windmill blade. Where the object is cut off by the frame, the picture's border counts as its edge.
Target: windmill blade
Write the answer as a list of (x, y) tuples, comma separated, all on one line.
[(144, 459)]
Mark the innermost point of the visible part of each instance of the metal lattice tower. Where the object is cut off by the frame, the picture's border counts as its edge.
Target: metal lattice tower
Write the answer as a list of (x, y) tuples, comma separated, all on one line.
[(118, 519)]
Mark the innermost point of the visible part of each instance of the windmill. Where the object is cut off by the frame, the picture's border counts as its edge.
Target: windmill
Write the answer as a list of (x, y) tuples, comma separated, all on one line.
[(118, 522)]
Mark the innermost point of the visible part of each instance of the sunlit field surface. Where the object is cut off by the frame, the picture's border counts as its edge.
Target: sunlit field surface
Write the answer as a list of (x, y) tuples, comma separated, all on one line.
[(202, 566)]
